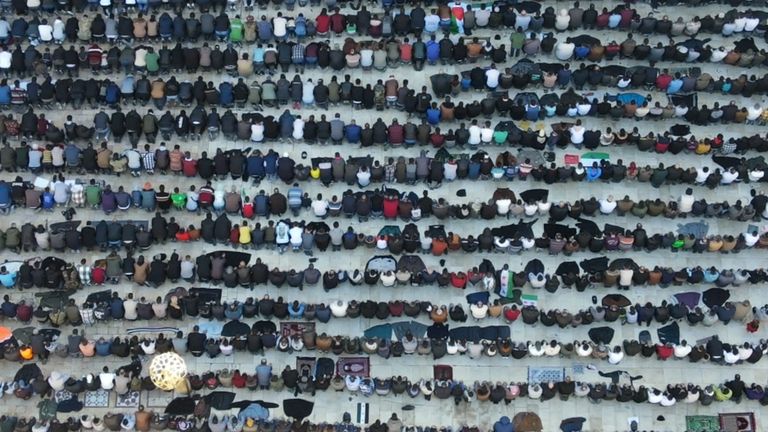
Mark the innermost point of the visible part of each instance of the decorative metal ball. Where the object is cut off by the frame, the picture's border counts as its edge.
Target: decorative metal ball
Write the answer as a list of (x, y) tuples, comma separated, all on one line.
[(167, 370)]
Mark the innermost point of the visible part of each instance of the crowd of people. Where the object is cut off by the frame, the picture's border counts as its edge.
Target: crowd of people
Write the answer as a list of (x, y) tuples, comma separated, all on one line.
[(280, 39), (463, 125), (263, 337), (308, 237), (108, 61), (289, 379)]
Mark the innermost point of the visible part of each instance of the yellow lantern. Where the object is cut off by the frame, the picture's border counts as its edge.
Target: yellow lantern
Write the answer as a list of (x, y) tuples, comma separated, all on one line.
[(167, 370)]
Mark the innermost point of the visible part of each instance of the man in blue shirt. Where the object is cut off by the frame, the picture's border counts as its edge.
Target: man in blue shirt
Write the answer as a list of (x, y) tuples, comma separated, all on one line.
[(5, 197), (270, 164), (352, 132), (255, 166), (264, 374), (7, 279), (48, 202), (675, 85), (433, 114), (295, 197), (433, 51)]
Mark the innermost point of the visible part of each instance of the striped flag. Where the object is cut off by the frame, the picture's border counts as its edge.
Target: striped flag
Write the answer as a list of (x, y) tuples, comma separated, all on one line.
[(362, 412), (506, 283)]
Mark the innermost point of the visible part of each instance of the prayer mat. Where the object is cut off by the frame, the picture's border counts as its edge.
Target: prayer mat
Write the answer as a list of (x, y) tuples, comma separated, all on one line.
[(62, 395), (153, 330), (306, 366), (701, 423), (355, 366), (738, 422), (97, 399), (128, 400), (442, 372), (545, 374), (295, 328)]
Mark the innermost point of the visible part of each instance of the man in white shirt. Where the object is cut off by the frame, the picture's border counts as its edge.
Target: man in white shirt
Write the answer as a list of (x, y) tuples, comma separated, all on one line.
[(363, 176), (130, 305), (701, 175), (729, 176), (294, 235), (320, 207), (486, 133), (682, 349), (279, 26), (474, 132), (492, 77), (607, 205), (46, 31), (751, 23), (685, 204), (754, 113), (257, 132), (134, 160), (564, 50), (577, 134), (718, 55), (5, 61), (751, 238), (298, 129), (107, 379)]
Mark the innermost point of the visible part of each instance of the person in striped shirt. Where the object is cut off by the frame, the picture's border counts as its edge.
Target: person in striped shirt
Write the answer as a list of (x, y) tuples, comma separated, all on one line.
[(148, 160)]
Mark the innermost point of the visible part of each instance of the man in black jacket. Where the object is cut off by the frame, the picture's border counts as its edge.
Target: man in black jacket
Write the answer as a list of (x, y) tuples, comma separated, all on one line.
[(196, 342)]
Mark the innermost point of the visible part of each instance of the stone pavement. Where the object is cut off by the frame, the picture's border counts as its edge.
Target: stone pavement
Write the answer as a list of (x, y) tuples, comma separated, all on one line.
[(608, 416)]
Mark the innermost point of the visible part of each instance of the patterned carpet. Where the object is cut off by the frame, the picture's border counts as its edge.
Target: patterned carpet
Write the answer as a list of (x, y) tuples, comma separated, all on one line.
[(738, 422), (545, 374), (96, 399), (702, 423), (128, 400)]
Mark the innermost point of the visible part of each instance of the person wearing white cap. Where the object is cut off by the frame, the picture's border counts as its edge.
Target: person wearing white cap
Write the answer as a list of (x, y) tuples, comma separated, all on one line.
[(35, 163)]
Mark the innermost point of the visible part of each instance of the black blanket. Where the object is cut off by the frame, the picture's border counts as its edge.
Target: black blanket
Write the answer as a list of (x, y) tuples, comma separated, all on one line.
[(601, 335), (232, 258), (594, 265), (522, 229), (100, 297), (297, 408), (181, 406), (715, 297), (669, 333), (220, 400), (28, 372), (235, 328), (438, 331), (567, 267), (552, 229), (477, 333), (207, 294)]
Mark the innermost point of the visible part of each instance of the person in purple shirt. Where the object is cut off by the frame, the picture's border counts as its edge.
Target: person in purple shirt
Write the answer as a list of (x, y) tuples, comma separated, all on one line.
[(108, 200)]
